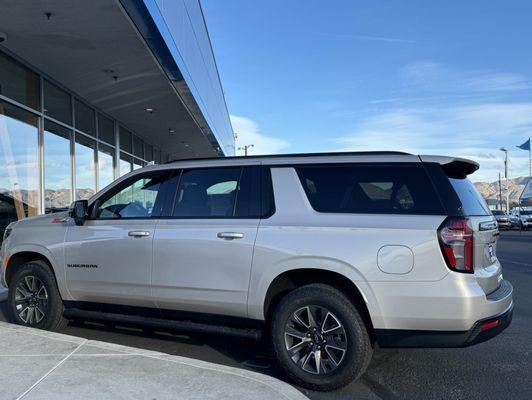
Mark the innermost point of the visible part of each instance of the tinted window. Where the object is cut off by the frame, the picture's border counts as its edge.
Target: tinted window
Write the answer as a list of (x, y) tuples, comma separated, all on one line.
[(377, 189), (205, 193), (497, 212), (18, 83), (141, 197), (106, 130), (248, 200), (84, 118), (57, 103), (472, 201)]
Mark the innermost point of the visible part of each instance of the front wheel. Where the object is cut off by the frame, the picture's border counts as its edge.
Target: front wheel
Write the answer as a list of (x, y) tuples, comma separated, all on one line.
[(319, 338), (34, 299)]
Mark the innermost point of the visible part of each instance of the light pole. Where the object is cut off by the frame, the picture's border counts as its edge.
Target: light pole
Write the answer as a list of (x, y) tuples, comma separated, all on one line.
[(505, 150), (245, 148)]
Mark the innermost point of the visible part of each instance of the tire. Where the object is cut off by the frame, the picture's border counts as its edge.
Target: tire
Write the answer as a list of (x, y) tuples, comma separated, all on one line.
[(28, 282), (349, 334)]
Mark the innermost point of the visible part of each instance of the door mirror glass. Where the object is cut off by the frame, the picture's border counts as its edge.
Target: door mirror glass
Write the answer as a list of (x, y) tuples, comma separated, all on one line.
[(79, 211)]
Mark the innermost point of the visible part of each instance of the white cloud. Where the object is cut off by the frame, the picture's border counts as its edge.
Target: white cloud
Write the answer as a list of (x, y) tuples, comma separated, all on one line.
[(436, 76), (248, 132), (475, 132)]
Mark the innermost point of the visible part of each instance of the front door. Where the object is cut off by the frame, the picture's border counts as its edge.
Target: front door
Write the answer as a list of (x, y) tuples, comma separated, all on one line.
[(203, 250), (109, 258)]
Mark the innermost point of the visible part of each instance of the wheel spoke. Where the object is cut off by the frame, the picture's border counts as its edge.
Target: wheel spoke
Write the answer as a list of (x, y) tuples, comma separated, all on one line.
[(24, 314), (39, 314), (30, 283), (25, 294), (295, 349), (317, 360), (291, 331), (334, 324), (42, 294)]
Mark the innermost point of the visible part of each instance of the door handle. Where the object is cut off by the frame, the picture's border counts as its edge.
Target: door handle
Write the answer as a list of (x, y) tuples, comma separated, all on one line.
[(138, 233), (230, 235)]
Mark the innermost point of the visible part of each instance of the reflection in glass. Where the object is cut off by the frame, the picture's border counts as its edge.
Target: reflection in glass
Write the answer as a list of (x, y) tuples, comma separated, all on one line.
[(85, 118), (125, 140), (105, 165), (19, 173), (138, 147), (125, 164), (57, 103), (106, 130), (57, 180), (18, 83), (85, 168), (137, 164)]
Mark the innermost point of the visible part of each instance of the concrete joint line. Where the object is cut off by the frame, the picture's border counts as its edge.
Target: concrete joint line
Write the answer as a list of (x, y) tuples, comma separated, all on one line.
[(49, 372)]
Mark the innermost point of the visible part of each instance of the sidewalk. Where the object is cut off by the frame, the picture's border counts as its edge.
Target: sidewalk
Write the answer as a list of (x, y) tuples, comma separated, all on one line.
[(36, 364)]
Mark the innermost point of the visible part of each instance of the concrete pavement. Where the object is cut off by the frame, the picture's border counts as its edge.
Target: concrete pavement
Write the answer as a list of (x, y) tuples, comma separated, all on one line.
[(36, 364)]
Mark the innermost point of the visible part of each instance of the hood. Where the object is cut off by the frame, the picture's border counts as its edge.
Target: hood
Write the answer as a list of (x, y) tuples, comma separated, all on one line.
[(44, 219)]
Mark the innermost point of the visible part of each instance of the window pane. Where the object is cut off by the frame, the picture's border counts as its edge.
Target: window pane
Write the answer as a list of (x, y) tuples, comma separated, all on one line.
[(137, 164), (106, 130), (57, 103), (142, 198), (378, 189), (105, 165), (125, 140), (85, 168), (57, 182), (207, 193), (19, 172), (472, 201), (18, 83), (85, 118), (125, 164), (148, 152), (157, 156), (138, 147), (248, 202)]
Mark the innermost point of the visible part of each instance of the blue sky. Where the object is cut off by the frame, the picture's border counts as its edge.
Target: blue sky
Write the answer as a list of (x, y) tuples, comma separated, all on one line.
[(449, 77)]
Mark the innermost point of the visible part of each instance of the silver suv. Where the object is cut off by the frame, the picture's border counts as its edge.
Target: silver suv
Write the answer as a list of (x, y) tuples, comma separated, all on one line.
[(328, 254)]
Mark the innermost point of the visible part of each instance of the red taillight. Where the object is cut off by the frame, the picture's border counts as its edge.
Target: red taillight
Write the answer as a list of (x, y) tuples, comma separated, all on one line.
[(488, 325), (456, 240)]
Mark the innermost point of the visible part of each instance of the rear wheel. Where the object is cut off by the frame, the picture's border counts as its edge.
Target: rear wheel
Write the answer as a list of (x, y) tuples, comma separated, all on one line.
[(34, 299), (319, 338)]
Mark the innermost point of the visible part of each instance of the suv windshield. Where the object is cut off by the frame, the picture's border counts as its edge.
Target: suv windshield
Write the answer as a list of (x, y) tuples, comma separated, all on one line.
[(497, 212), (472, 201)]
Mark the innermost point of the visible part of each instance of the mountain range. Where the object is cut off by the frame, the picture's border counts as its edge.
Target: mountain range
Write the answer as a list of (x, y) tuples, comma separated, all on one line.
[(490, 190)]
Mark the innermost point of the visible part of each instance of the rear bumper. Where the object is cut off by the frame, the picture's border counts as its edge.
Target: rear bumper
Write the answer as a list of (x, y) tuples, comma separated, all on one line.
[(481, 331)]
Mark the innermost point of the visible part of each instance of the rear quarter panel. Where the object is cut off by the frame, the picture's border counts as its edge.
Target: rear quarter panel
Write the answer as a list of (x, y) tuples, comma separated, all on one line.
[(297, 237)]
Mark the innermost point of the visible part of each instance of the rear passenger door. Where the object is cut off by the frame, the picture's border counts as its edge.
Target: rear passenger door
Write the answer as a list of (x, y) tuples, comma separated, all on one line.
[(203, 248)]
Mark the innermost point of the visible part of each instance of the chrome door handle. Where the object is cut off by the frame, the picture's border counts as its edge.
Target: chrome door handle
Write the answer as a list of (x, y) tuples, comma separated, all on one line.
[(230, 235), (138, 233)]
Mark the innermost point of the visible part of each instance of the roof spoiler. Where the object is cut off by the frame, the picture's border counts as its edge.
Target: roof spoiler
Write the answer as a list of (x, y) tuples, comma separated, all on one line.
[(453, 167)]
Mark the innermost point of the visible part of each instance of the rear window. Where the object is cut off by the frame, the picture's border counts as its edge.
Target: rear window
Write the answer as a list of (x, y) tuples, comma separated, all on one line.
[(370, 189), (472, 202)]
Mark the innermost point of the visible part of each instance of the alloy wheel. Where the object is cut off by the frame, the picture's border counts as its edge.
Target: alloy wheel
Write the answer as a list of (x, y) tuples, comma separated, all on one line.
[(315, 339), (31, 300)]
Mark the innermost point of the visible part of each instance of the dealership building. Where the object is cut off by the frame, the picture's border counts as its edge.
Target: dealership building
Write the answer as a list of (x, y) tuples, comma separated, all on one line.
[(90, 90)]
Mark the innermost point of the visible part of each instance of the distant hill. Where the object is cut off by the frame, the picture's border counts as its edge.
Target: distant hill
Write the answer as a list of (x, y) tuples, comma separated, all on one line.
[(491, 190)]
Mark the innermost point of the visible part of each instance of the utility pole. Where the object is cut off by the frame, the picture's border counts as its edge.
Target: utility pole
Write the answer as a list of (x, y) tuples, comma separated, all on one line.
[(505, 150), (245, 148), (500, 192)]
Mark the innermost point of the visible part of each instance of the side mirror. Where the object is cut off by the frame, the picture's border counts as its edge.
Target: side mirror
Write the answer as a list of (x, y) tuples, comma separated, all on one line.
[(79, 211)]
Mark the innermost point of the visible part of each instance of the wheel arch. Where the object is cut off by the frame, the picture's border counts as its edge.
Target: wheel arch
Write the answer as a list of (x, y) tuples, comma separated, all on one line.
[(22, 257), (289, 280)]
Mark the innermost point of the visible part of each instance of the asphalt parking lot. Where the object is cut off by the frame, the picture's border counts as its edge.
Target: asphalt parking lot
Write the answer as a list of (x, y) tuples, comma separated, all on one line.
[(499, 368)]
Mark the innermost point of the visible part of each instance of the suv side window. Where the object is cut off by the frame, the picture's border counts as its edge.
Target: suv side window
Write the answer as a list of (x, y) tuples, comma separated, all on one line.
[(370, 189), (225, 192), (141, 196)]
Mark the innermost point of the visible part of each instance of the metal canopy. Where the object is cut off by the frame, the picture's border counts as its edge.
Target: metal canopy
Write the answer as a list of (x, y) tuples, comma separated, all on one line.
[(93, 49)]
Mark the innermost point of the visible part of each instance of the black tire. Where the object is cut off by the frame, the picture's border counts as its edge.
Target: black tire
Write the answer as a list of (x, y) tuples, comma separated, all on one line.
[(53, 307), (358, 352)]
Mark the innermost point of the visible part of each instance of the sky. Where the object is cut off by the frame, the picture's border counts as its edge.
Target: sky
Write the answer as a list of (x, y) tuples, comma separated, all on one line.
[(448, 77)]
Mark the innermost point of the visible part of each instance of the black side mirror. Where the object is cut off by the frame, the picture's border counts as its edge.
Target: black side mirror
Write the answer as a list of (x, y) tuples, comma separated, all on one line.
[(79, 211)]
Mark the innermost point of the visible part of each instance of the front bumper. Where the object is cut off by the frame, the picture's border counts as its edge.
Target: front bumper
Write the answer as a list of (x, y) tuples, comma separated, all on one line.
[(504, 224)]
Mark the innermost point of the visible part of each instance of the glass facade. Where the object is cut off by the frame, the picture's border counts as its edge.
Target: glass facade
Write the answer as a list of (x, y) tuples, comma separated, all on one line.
[(54, 147)]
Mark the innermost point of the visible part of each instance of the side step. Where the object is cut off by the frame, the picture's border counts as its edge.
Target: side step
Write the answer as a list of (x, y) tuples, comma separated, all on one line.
[(186, 326)]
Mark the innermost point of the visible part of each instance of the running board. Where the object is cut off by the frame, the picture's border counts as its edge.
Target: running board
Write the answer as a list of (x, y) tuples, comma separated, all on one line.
[(186, 326)]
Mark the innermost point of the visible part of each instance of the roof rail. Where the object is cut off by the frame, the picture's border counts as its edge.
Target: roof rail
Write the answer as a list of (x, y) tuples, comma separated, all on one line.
[(298, 155)]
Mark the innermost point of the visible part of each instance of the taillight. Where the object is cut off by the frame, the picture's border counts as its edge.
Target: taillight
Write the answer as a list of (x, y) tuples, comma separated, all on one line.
[(456, 241)]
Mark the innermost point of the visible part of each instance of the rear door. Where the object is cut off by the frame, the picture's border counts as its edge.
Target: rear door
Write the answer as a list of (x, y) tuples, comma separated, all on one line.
[(203, 248)]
